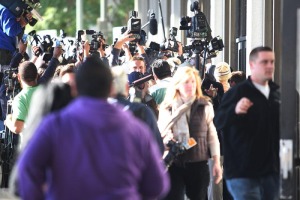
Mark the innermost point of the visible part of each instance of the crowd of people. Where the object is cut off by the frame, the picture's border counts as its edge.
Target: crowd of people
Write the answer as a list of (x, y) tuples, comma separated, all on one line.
[(103, 126)]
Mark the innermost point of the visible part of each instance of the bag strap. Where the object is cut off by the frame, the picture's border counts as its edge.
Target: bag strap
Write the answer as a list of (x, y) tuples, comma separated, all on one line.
[(175, 116)]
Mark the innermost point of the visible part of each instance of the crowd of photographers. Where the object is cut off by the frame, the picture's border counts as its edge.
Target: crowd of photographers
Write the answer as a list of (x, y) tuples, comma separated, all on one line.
[(141, 76)]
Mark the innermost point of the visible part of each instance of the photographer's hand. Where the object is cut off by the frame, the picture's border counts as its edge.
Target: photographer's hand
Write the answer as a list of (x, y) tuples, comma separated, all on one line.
[(180, 51), (101, 50), (125, 37), (126, 49), (57, 52), (23, 22), (86, 49), (22, 47), (141, 49), (212, 92)]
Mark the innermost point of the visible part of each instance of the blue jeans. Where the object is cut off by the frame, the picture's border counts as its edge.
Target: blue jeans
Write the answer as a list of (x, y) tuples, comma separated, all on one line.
[(262, 188)]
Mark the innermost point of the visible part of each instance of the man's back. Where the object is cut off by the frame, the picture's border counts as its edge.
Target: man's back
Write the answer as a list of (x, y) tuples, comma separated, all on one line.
[(145, 114), (93, 151)]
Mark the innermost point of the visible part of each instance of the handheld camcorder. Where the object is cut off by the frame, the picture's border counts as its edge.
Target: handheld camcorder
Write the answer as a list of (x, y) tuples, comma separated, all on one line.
[(11, 81), (95, 42), (22, 8), (171, 44), (134, 27)]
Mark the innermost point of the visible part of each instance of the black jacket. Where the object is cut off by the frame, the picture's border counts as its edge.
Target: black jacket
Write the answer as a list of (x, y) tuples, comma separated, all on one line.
[(145, 114), (251, 141), (207, 81)]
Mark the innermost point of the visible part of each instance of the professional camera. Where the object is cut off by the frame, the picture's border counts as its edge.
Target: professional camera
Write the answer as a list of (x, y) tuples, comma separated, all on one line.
[(216, 45), (47, 48), (45, 45), (11, 81), (199, 30), (141, 38), (199, 27), (152, 52), (175, 149), (22, 8), (95, 43), (134, 28), (197, 46), (171, 44), (134, 25)]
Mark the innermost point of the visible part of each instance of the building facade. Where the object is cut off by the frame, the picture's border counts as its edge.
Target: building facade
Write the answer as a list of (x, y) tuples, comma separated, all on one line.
[(243, 25)]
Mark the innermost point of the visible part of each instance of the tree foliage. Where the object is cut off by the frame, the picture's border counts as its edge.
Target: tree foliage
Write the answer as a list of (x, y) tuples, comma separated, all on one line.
[(58, 14)]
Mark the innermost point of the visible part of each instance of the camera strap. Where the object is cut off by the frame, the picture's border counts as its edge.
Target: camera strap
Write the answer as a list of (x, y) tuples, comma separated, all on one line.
[(175, 116)]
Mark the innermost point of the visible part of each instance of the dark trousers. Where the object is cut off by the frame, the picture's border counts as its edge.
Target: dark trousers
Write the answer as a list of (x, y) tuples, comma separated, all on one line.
[(191, 179)]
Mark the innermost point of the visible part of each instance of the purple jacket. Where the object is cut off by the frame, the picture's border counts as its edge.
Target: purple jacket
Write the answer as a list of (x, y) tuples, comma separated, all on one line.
[(92, 150)]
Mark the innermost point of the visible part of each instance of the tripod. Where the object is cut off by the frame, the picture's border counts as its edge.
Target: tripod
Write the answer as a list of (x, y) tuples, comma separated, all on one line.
[(197, 51), (8, 147)]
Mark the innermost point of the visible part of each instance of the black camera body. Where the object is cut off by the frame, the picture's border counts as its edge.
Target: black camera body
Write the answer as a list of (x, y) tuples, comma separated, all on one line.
[(197, 46), (171, 44), (11, 81), (21, 8), (96, 42), (196, 26), (140, 38), (47, 48), (175, 149), (134, 26)]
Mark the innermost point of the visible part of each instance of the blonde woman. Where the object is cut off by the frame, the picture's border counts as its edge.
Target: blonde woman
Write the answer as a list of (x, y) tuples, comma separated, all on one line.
[(185, 113)]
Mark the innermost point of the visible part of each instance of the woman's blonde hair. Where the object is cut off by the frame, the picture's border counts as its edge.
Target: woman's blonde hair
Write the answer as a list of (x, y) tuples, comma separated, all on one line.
[(182, 74)]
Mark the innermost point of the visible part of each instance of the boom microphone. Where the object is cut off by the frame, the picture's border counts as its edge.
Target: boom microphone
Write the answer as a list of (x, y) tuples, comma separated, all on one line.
[(153, 24), (141, 80)]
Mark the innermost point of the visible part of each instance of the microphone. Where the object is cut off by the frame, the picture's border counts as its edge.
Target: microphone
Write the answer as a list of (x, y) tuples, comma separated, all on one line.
[(153, 24), (141, 80)]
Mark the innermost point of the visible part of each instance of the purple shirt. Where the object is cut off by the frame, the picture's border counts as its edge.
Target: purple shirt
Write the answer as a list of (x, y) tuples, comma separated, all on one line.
[(92, 150)]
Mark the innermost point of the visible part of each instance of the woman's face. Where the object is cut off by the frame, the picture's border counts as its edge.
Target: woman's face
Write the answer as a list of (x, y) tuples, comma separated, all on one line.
[(187, 87)]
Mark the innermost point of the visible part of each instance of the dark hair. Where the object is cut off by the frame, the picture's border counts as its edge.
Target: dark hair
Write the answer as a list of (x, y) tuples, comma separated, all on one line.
[(237, 76), (59, 95), (255, 51), (28, 71), (161, 68), (94, 78)]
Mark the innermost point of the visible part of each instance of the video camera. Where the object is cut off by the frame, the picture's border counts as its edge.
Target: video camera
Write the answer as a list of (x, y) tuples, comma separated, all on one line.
[(95, 42), (45, 45), (11, 81), (22, 8), (196, 26), (135, 28), (198, 29), (171, 44)]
